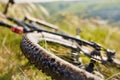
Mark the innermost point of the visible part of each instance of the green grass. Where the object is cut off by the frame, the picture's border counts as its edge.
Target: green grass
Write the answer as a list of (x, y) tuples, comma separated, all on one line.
[(13, 64)]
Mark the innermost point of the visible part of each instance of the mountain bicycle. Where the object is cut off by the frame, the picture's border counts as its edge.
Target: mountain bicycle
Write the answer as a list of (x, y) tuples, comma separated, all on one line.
[(52, 64)]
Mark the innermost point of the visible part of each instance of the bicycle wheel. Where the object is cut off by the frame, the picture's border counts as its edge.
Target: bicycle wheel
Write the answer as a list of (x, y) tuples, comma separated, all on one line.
[(49, 63)]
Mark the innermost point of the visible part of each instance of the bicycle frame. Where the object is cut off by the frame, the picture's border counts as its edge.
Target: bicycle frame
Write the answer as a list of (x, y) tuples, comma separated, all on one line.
[(28, 28)]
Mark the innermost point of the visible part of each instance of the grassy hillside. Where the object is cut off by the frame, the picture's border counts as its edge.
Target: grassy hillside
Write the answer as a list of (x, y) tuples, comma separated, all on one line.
[(13, 64), (105, 9)]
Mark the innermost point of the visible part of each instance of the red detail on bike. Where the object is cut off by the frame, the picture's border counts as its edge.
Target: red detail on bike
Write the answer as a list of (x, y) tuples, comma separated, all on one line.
[(17, 30)]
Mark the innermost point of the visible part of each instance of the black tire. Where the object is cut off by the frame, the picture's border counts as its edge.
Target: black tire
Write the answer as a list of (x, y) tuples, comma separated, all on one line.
[(52, 65)]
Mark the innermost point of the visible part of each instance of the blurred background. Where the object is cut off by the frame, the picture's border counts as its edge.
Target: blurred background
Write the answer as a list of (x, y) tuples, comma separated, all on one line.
[(99, 21)]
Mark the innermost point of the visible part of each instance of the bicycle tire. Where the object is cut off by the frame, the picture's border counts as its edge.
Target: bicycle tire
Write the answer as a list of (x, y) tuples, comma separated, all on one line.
[(49, 63)]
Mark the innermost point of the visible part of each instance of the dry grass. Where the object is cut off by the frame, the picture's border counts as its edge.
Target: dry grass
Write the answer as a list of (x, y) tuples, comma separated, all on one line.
[(13, 64)]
